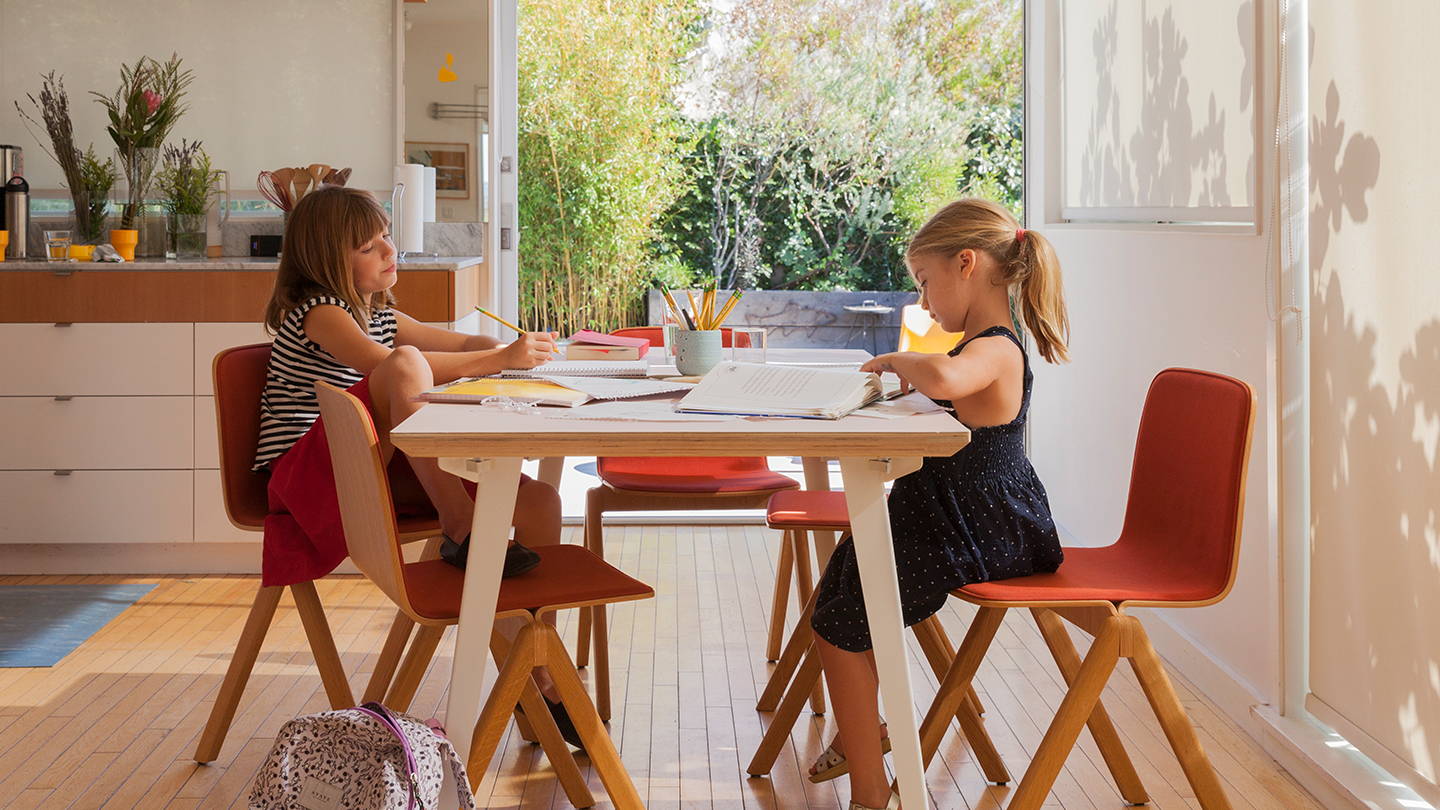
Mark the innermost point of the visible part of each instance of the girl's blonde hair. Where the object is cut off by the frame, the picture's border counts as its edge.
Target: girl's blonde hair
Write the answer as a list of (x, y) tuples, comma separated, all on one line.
[(324, 227), (1026, 259)]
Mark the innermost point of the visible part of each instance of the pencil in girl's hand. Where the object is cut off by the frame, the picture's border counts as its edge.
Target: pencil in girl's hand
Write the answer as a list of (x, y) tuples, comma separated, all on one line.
[(487, 312)]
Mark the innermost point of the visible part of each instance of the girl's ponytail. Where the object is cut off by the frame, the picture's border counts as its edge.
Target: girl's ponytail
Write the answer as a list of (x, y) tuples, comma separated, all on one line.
[(1027, 264), (1036, 271)]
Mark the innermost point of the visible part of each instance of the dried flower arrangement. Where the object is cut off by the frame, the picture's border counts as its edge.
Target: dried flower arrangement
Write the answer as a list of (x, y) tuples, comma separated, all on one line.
[(88, 179), (142, 112)]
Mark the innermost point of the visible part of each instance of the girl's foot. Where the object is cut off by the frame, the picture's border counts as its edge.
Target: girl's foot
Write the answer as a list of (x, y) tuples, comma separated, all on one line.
[(832, 763), (518, 558)]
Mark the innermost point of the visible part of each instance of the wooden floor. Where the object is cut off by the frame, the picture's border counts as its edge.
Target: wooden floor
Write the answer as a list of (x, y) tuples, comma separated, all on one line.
[(115, 723)]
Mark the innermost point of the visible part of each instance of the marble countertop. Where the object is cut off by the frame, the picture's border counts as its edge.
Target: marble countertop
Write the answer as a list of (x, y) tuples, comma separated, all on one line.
[(228, 263)]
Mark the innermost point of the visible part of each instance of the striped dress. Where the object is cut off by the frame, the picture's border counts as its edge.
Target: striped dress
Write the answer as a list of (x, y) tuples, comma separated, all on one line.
[(288, 406)]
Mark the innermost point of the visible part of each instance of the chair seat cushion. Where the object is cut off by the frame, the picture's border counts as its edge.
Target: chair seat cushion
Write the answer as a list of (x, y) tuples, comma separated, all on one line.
[(808, 509), (1113, 573), (566, 575), (692, 475)]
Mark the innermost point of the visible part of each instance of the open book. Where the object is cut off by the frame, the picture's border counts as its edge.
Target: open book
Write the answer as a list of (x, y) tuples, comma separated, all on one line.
[(554, 390), (763, 390)]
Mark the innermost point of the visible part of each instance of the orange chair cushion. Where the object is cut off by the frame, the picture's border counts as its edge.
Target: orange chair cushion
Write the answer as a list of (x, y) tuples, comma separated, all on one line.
[(807, 509), (691, 475), (1110, 574), (566, 575)]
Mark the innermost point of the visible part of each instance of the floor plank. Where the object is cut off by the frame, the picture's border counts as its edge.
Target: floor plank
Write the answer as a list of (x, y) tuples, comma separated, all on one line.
[(114, 724)]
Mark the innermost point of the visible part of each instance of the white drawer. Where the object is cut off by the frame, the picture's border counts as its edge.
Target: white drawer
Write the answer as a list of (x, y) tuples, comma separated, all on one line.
[(97, 433), (211, 523), (211, 338), (97, 506), (91, 359)]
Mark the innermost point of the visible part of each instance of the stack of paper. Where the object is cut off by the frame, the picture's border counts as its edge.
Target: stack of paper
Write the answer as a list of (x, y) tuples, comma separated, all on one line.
[(764, 390), (582, 368)]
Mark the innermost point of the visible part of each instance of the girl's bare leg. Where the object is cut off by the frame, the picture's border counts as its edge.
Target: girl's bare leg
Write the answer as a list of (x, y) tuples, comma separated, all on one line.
[(854, 694)]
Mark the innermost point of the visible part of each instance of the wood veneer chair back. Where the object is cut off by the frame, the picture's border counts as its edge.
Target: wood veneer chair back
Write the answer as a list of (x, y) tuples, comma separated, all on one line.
[(920, 333), (238, 374), (366, 506)]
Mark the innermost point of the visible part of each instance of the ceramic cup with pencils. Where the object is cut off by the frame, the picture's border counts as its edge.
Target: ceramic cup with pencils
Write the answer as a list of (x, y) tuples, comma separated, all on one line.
[(696, 351)]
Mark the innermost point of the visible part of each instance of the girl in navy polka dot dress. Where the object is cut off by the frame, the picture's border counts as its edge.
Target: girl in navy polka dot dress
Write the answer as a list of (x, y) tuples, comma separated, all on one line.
[(978, 515)]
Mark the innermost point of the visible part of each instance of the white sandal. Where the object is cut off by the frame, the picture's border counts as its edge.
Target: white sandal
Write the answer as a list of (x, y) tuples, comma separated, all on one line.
[(893, 804), (832, 764)]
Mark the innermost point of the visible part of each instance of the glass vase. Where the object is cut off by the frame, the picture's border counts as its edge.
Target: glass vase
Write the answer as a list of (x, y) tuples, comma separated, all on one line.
[(185, 236), (90, 223), (137, 170)]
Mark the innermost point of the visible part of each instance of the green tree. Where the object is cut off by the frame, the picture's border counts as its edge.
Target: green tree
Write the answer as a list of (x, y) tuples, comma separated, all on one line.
[(600, 152)]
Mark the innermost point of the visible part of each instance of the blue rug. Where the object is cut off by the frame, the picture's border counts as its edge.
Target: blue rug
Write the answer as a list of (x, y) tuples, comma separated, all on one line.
[(40, 624)]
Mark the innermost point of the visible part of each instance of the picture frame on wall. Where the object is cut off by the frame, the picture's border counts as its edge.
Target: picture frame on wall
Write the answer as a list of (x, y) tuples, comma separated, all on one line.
[(451, 162)]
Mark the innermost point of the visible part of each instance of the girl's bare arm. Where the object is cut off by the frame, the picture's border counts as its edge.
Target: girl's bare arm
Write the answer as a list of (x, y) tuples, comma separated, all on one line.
[(940, 376)]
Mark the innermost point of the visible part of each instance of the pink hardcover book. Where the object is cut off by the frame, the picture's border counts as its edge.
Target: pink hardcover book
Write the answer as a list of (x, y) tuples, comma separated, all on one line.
[(602, 339)]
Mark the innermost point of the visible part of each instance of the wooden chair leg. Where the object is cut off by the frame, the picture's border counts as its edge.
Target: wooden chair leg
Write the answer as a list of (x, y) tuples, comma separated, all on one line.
[(795, 649), (956, 682), (554, 746), (322, 645), (1178, 729), (945, 644), (1122, 770), (936, 647), (786, 715), (500, 650), (780, 595), (237, 674), (501, 702), (595, 542), (598, 745), (412, 672), (389, 659), (1074, 711), (974, 696), (582, 638), (601, 630), (805, 591)]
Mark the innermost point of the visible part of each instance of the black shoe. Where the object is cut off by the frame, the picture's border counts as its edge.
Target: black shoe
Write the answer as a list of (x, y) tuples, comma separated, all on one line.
[(518, 558), (565, 724)]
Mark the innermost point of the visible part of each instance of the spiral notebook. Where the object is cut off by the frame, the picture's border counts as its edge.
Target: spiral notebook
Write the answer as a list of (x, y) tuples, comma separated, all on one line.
[(581, 368)]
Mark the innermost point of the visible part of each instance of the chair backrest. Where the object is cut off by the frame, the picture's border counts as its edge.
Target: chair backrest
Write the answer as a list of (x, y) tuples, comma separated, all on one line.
[(367, 510), (1187, 484), (920, 333), (239, 377), (656, 335)]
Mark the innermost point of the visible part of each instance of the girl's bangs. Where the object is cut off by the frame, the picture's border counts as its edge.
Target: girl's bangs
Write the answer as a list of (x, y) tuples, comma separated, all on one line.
[(367, 219)]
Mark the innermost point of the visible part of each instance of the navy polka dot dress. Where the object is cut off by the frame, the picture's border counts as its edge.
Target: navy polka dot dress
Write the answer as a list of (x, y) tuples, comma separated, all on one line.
[(978, 515)]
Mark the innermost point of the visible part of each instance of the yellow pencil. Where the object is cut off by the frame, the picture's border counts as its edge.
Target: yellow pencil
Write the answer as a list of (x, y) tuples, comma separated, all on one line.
[(709, 308), (694, 309), (483, 311), (725, 310)]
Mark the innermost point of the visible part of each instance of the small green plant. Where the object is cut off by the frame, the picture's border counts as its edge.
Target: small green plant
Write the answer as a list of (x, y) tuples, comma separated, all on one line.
[(142, 112), (96, 179), (186, 181)]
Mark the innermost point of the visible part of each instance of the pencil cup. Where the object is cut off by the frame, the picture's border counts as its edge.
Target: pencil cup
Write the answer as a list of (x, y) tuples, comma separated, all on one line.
[(696, 351)]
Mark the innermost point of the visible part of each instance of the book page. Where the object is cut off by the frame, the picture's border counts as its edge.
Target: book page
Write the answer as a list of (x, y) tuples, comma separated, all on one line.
[(617, 388), (747, 388)]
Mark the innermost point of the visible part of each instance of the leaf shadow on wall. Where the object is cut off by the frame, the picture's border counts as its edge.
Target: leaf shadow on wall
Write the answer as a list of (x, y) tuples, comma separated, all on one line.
[(1160, 162), (1374, 478)]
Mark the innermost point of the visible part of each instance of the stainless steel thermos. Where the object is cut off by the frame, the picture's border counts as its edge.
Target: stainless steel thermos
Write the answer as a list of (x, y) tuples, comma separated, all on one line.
[(14, 200)]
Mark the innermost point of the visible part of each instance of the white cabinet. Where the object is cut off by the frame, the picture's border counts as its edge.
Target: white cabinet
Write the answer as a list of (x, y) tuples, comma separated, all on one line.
[(97, 433), (97, 359), (96, 506)]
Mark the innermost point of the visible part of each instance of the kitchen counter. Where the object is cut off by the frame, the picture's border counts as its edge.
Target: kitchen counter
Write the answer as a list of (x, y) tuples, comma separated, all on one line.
[(228, 263)]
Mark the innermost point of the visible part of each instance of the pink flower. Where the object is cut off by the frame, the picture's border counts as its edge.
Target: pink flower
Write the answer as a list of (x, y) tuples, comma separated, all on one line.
[(152, 101)]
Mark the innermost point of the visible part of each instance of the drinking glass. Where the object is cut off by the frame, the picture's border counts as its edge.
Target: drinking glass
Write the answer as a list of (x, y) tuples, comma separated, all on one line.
[(57, 246), (748, 344)]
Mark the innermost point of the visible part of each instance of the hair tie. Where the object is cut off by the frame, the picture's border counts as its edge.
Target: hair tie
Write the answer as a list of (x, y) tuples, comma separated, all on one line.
[(1019, 234)]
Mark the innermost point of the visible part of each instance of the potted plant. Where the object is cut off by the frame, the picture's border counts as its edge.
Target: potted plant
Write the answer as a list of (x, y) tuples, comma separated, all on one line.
[(142, 112), (89, 180), (186, 184)]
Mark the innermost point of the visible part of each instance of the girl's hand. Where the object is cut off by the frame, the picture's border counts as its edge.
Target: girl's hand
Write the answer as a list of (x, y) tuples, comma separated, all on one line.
[(884, 364), (529, 350)]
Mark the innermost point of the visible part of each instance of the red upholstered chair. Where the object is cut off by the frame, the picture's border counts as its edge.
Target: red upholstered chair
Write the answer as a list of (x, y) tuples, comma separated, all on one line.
[(429, 592), (672, 484), (1178, 548), (239, 379)]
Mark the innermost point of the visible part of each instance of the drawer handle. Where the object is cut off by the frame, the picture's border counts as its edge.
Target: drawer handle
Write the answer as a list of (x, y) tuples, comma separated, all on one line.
[(65, 324), (63, 472), (63, 399)]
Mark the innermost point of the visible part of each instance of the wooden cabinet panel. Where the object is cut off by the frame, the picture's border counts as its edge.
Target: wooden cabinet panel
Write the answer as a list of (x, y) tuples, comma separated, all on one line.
[(96, 359), (97, 433), (97, 506)]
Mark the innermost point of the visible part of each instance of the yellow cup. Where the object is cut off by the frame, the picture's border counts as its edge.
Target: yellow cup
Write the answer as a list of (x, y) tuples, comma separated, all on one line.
[(82, 253), (124, 241), (4, 243)]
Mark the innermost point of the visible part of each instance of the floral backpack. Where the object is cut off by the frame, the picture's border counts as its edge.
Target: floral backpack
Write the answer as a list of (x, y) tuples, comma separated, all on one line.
[(365, 758)]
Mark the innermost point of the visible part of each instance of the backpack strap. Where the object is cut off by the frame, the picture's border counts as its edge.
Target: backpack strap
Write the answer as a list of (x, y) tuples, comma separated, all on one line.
[(382, 715)]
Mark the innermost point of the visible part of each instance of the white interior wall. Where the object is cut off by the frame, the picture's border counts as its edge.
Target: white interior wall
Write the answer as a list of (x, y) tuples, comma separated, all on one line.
[(426, 44), (277, 83), (1143, 298)]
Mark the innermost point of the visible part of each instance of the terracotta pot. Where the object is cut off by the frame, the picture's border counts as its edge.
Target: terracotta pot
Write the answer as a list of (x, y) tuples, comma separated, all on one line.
[(124, 241)]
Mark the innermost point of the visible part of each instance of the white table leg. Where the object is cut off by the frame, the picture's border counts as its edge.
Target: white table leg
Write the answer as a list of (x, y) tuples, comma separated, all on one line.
[(870, 525), (496, 481), (817, 477)]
